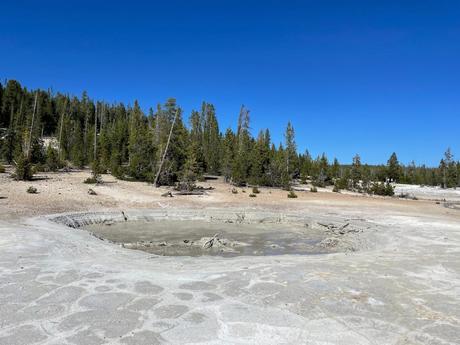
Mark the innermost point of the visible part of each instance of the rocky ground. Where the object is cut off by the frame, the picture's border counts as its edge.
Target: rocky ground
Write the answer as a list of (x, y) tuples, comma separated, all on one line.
[(395, 282)]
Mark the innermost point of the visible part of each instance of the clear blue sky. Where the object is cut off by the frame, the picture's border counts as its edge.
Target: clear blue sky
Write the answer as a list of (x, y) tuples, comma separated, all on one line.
[(367, 77)]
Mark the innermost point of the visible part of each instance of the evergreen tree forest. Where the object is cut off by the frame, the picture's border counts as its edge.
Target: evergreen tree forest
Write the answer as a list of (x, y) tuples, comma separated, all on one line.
[(166, 147)]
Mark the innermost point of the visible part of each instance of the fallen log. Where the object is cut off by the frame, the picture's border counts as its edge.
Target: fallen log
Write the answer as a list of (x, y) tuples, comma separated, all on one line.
[(190, 193), (209, 243)]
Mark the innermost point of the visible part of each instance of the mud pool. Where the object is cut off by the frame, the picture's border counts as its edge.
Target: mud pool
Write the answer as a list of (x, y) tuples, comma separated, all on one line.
[(200, 237)]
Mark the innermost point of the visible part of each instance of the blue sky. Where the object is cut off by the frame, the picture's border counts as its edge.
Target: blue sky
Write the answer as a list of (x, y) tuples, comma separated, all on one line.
[(367, 77)]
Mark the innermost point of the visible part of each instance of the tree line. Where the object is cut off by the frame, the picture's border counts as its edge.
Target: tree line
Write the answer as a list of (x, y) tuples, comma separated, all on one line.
[(160, 147)]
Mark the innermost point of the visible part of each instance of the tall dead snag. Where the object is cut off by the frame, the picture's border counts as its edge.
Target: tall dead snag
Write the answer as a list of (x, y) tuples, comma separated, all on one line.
[(155, 182), (32, 124), (95, 132), (60, 129)]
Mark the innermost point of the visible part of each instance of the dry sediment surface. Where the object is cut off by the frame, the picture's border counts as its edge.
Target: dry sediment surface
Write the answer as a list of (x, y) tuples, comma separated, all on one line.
[(396, 281)]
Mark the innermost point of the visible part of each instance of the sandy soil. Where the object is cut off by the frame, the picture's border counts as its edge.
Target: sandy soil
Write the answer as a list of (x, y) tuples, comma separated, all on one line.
[(65, 192), (60, 285)]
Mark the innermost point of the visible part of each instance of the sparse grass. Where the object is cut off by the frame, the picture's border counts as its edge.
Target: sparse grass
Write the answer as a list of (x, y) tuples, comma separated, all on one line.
[(252, 195), (92, 180), (292, 195), (32, 190)]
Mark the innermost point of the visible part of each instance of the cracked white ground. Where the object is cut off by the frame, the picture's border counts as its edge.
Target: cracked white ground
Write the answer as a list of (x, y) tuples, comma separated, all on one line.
[(396, 282)]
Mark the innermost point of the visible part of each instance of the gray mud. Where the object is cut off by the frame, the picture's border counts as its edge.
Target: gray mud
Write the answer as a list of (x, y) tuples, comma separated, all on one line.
[(394, 281), (199, 237)]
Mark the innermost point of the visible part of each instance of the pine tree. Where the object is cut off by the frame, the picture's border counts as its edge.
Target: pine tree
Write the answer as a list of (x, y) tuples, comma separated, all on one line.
[(211, 138), (356, 171), (168, 120), (260, 159), (291, 151), (130, 144), (411, 173), (448, 170), (394, 170), (140, 150), (77, 146), (306, 166), (52, 159), (366, 177), (196, 141), (228, 154), (241, 163), (335, 169), (190, 171)]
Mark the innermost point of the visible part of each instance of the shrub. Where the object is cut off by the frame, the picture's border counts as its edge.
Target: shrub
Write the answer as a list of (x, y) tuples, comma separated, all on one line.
[(92, 180), (336, 189), (23, 169), (234, 191), (255, 190), (32, 190), (91, 192), (252, 195), (382, 188), (2, 169), (292, 194), (314, 189), (341, 183), (95, 174), (52, 159)]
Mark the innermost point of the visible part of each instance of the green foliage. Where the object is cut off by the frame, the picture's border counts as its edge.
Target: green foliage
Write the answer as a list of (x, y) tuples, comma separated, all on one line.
[(381, 188), (52, 159), (95, 174), (356, 172), (448, 171), (343, 182), (2, 169), (190, 172), (291, 152), (394, 170), (130, 144), (24, 171)]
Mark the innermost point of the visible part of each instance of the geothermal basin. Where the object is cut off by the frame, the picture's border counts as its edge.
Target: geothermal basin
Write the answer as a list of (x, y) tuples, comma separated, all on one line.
[(200, 237)]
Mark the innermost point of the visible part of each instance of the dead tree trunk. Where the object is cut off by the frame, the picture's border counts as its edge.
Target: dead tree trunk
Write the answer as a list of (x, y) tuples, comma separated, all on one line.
[(166, 150), (95, 133), (60, 129), (85, 137), (32, 124)]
